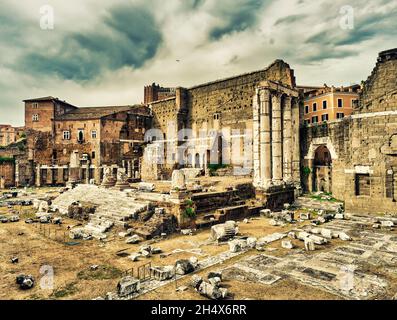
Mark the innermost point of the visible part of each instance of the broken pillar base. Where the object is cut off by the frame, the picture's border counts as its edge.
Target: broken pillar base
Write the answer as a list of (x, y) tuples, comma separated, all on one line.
[(274, 197), (121, 186), (179, 195)]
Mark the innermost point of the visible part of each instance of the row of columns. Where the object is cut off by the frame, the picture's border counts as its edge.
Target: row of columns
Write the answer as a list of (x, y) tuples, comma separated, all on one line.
[(276, 137)]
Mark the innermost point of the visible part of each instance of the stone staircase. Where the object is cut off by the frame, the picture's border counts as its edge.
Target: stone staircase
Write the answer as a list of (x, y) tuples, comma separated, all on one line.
[(112, 205)]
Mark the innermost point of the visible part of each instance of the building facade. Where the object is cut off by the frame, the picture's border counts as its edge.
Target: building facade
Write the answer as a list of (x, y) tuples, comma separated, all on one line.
[(68, 143), (360, 166), (328, 103), (10, 134)]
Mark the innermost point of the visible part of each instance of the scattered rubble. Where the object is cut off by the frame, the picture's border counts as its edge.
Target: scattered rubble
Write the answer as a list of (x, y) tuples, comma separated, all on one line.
[(25, 282), (127, 286), (225, 231)]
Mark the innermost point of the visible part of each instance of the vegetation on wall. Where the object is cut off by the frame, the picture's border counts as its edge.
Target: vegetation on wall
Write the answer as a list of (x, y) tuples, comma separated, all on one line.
[(190, 211), (6, 160)]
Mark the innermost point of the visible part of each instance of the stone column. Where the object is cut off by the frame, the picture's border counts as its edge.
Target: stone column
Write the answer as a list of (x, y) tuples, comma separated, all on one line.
[(265, 139), (129, 168), (17, 182), (277, 148), (38, 176), (287, 139), (88, 173), (295, 142), (97, 175), (60, 175), (256, 142)]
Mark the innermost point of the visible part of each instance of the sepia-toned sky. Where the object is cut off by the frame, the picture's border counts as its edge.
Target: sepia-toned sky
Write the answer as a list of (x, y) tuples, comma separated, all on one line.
[(102, 52)]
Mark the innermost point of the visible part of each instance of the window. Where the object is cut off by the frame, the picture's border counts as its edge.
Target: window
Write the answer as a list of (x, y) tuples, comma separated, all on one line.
[(340, 103), (307, 121), (93, 134), (80, 135), (340, 115), (324, 104), (93, 155), (306, 109), (35, 117), (314, 107), (315, 119), (363, 185), (35, 105), (324, 117), (389, 184), (66, 135)]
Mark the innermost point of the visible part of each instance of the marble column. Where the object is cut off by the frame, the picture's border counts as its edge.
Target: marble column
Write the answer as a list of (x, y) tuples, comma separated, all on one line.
[(295, 142), (17, 182), (38, 176), (287, 138), (129, 168), (265, 139), (256, 142), (277, 147)]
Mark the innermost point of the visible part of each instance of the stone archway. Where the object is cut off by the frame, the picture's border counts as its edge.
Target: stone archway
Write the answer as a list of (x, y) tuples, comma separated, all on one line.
[(317, 171), (322, 170)]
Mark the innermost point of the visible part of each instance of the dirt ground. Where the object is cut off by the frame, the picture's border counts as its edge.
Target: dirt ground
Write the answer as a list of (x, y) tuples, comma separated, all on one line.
[(73, 278)]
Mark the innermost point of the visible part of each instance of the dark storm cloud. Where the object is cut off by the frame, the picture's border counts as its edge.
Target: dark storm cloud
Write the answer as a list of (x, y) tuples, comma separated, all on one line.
[(365, 27), (236, 17), (290, 19), (130, 37)]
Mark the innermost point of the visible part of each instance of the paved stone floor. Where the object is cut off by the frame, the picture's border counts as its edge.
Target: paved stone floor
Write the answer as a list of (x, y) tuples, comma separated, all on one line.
[(344, 271)]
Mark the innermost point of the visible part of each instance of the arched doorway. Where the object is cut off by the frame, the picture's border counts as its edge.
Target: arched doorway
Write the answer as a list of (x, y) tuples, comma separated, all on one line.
[(322, 170)]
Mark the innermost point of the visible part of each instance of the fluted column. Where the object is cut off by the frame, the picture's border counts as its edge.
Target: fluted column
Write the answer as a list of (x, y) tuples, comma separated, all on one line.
[(287, 138), (256, 141), (38, 176), (265, 139), (277, 148), (295, 143)]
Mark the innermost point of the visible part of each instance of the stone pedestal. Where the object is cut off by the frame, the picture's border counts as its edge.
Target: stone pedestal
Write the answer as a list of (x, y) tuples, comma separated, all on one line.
[(121, 183), (108, 181)]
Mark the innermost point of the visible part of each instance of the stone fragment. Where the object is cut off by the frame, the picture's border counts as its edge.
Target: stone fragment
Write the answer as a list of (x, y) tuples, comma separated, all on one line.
[(267, 213), (305, 216), (326, 233), (271, 238), (127, 286), (57, 220), (196, 281), (214, 274), (187, 232), (343, 236), (14, 218), (133, 239), (225, 231), (135, 257), (25, 282), (163, 273), (251, 242), (309, 245), (215, 281), (287, 244), (14, 260), (156, 251), (194, 262), (211, 291), (183, 267), (292, 235), (245, 220), (237, 245), (340, 216), (387, 224)]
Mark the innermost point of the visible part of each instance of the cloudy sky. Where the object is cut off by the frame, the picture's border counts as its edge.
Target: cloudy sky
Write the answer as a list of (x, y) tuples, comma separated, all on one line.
[(102, 52)]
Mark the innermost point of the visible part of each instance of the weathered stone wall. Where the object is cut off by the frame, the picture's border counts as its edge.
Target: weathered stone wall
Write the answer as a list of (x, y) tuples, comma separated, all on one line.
[(224, 106), (363, 147), (7, 176)]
